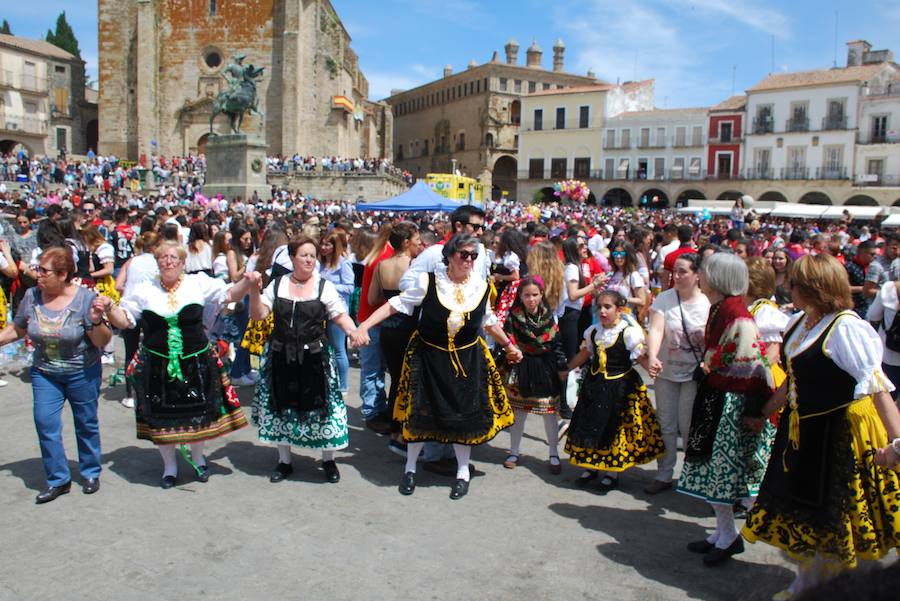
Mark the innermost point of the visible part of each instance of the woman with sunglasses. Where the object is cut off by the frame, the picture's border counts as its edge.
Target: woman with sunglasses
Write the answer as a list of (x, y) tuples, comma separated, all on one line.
[(626, 278), (450, 389), (182, 394)]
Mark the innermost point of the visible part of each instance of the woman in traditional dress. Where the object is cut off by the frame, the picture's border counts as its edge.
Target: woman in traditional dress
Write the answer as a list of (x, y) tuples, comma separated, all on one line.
[(724, 461), (101, 262), (450, 389), (298, 401), (613, 426), (533, 385), (831, 494), (183, 395)]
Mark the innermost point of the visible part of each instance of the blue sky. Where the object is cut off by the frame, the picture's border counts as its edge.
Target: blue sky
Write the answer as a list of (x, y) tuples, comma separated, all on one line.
[(693, 48)]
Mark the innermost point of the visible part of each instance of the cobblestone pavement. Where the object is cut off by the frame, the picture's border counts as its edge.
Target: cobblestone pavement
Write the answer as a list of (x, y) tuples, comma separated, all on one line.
[(519, 534)]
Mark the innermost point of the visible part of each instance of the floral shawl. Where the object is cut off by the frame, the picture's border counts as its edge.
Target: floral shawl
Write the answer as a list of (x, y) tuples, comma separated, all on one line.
[(735, 354), (533, 335)]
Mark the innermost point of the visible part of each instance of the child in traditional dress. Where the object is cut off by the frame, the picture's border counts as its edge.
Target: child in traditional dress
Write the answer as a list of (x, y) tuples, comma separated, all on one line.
[(614, 426), (533, 386)]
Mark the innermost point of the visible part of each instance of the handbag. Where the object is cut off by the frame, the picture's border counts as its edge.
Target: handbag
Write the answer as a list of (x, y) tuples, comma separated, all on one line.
[(698, 373)]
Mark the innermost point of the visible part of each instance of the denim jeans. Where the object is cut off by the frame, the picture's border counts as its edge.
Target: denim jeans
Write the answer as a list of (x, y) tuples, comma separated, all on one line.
[(50, 393), (241, 364), (338, 341), (371, 377)]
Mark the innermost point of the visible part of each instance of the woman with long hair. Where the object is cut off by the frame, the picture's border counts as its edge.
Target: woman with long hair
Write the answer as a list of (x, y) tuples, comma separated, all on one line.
[(200, 255), (511, 253), (543, 261), (221, 244), (240, 259), (626, 279), (336, 268), (781, 263)]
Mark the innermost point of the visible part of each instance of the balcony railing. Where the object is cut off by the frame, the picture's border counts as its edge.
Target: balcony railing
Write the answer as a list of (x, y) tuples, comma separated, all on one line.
[(794, 173), (22, 123), (26, 83), (763, 125), (731, 140), (552, 125), (878, 180), (617, 145), (797, 124), (834, 122), (695, 174), (831, 173), (758, 173), (876, 139), (652, 143)]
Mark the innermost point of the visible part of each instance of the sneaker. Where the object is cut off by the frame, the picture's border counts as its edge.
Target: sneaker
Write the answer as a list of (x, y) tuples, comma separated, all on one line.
[(243, 381), (128, 402), (3, 383), (107, 359)]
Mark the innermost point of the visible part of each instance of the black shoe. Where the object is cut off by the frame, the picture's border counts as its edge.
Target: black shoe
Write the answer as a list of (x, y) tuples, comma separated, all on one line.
[(584, 479), (409, 483), (332, 474), (168, 482), (282, 471), (90, 486), (379, 424), (700, 546), (718, 556), (459, 490), (51, 492), (607, 484), (203, 473)]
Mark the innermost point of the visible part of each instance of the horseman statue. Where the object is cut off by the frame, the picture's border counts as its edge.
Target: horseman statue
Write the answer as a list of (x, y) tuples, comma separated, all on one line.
[(240, 95)]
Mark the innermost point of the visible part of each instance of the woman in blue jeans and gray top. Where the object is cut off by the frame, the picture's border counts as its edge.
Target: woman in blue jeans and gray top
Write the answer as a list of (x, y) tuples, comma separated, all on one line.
[(337, 269), (68, 332)]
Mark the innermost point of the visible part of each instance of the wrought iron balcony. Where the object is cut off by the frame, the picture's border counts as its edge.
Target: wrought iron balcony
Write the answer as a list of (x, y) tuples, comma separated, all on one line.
[(831, 173), (763, 125), (795, 173), (834, 122), (797, 124)]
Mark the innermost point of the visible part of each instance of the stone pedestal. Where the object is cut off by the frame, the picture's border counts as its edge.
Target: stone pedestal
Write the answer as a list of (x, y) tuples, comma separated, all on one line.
[(236, 167)]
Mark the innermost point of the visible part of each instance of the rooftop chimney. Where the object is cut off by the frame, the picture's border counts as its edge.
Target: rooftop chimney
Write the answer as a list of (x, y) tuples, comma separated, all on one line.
[(495, 58), (591, 73), (448, 70), (512, 51), (856, 51), (472, 64), (559, 49), (533, 55)]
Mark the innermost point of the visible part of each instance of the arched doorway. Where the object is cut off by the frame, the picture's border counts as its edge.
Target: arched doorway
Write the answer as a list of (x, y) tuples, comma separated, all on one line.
[(815, 198), (92, 135), (687, 195), (504, 176), (861, 200), (730, 195), (617, 197), (13, 147), (653, 198), (201, 143), (773, 196)]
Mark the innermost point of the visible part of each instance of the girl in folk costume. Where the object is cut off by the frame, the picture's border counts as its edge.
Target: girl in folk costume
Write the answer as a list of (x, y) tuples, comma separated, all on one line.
[(101, 261), (831, 494), (532, 386), (724, 460), (613, 426), (770, 320)]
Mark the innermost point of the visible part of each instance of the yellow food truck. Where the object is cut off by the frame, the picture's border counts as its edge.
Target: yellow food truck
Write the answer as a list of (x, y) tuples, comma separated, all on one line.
[(457, 187)]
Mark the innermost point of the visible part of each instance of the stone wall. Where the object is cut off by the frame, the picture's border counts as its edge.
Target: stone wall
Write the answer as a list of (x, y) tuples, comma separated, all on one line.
[(355, 188)]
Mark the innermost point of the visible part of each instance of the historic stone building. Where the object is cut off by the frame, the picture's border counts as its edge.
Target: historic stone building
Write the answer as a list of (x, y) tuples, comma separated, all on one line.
[(43, 102), (161, 65), (470, 120)]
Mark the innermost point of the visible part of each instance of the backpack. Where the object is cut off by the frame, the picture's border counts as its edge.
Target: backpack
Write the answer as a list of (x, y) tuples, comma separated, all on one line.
[(892, 334)]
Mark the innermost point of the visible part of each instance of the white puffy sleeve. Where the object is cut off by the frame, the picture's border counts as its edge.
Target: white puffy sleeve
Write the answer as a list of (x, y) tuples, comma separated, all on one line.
[(411, 297), (511, 261), (105, 253), (490, 318), (856, 348), (212, 289), (771, 323), (332, 300), (268, 294), (135, 301), (588, 334), (634, 342)]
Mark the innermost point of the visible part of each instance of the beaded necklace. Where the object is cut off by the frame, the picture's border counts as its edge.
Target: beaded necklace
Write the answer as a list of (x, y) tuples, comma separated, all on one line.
[(171, 292)]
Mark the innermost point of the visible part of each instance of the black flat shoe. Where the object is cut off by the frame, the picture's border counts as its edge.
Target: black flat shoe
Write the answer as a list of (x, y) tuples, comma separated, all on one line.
[(168, 482), (409, 483), (90, 486), (203, 473), (51, 492), (459, 490), (700, 546), (282, 471), (607, 484), (332, 474), (719, 556), (583, 480)]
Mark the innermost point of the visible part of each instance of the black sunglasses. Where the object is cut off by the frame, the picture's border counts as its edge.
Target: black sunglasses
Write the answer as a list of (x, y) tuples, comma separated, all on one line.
[(475, 226), (465, 255)]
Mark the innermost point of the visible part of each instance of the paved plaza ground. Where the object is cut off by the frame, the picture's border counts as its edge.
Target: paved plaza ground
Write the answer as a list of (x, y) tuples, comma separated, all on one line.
[(519, 535)]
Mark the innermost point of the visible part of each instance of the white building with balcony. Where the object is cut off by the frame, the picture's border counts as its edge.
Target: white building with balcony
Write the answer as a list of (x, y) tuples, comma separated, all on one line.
[(877, 157), (42, 99), (803, 125)]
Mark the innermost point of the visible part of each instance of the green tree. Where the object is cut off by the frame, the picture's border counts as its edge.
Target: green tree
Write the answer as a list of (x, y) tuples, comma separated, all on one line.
[(5, 28), (64, 37)]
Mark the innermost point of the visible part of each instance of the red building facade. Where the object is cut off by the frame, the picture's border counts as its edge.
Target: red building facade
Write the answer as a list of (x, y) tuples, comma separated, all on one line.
[(726, 129)]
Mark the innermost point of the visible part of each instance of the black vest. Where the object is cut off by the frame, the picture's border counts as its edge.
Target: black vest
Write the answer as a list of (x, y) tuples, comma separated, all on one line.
[(433, 322), (618, 359), (298, 324)]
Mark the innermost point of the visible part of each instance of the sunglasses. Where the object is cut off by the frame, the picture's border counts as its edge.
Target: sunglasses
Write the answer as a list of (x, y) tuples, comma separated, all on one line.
[(478, 227), (617, 254), (465, 255)]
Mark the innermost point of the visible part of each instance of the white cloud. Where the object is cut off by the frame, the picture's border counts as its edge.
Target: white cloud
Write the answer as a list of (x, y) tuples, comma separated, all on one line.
[(382, 82), (750, 13)]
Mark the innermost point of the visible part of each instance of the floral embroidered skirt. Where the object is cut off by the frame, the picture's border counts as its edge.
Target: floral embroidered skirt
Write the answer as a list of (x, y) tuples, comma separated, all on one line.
[(854, 514), (324, 428), (735, 468), (614, 426), (202, 407)]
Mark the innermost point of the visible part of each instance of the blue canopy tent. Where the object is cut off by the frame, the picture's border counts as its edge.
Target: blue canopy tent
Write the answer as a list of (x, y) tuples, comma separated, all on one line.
[(418, 198)]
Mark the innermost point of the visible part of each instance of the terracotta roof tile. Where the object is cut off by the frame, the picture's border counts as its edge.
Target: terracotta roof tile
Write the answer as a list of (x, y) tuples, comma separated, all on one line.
[(36, 46), (820, 77), (671, 112), (735, 103), (600, 87)]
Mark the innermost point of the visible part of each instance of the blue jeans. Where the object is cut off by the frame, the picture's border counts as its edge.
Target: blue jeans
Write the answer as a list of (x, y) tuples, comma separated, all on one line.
[(50, 393), (338, 341), (371, 377), (241, 364)]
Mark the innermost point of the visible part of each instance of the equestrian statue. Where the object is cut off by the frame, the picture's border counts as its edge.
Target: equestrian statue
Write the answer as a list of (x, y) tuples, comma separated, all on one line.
[(240, 95)]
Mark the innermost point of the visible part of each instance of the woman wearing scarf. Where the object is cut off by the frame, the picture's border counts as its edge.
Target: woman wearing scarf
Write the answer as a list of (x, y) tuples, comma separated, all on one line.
[(724, 461)]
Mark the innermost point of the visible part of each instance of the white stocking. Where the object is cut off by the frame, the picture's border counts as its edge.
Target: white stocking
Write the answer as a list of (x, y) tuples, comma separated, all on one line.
[(517, 431), (463, 452), (284, 454), (170, 466), (726, 530), (327, 456), (552, 432), (197, 454), (412, 455)]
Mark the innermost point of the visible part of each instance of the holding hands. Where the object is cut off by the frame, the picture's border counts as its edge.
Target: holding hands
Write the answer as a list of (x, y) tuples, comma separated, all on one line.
[(359, 337), (99, 308)]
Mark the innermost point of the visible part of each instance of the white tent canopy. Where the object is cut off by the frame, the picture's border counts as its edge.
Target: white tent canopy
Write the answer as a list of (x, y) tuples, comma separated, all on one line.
[(857, 212), (797, 210), (891, 221)]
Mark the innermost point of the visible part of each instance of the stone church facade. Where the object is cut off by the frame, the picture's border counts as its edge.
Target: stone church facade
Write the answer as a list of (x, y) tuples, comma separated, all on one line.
[(161, 65)]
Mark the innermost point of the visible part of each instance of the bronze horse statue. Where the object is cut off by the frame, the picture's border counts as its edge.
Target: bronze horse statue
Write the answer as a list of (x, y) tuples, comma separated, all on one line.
[(237, 100)]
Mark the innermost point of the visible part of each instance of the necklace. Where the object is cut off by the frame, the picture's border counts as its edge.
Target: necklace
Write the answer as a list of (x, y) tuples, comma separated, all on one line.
[(299, 282), (458, 290), (171, 292), (805, 328)]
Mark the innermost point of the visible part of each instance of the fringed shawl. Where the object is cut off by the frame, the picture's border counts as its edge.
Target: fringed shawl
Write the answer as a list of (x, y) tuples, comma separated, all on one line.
[(735, 353)]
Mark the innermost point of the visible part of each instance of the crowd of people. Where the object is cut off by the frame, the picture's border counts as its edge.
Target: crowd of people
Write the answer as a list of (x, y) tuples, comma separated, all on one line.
[(770, 345)]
